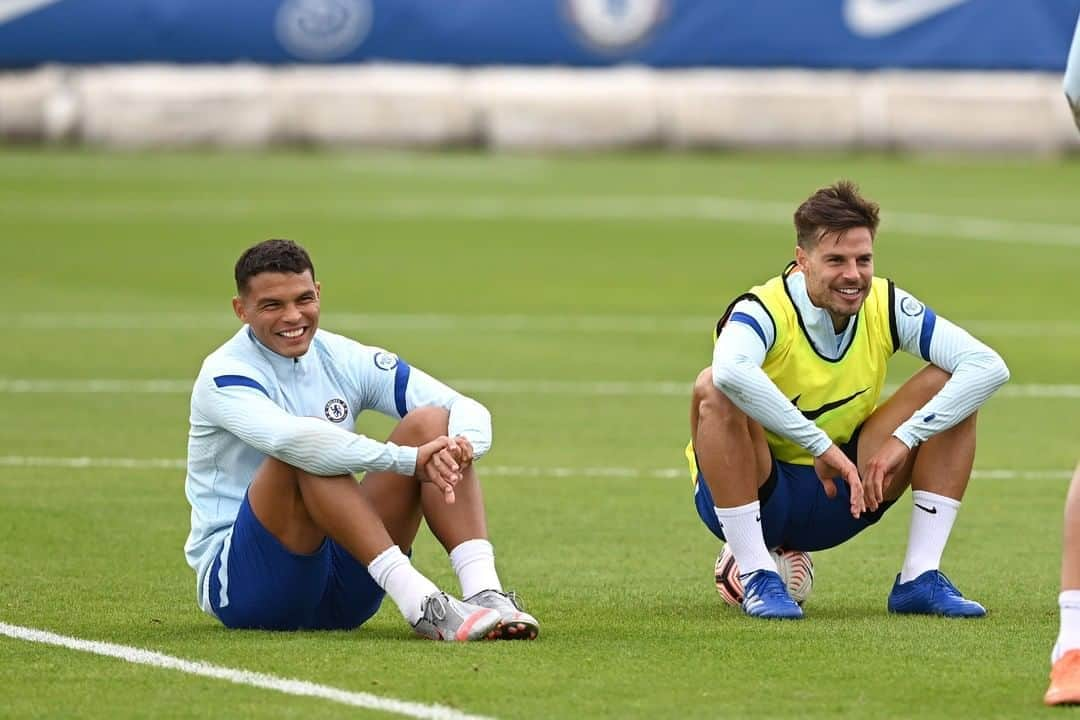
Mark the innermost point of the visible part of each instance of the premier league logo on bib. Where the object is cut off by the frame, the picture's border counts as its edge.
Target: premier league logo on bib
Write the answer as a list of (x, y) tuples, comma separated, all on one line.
[(336, 410), (323, 29)]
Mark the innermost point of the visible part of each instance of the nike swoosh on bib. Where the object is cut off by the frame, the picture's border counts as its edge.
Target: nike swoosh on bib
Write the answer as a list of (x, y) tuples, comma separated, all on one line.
[(878, 18), (12, 9), (818, 412)]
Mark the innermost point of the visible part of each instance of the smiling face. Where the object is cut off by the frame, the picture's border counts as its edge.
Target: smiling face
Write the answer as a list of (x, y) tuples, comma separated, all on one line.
[(282, 309), (838, 270)]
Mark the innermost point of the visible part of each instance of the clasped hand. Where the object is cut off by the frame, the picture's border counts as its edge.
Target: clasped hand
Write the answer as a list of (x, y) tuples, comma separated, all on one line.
[(867, 493), (442, 463)]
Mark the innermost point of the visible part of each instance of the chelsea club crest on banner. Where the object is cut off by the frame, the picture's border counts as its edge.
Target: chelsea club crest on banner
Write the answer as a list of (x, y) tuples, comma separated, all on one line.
[(323, 29), (613, 25)]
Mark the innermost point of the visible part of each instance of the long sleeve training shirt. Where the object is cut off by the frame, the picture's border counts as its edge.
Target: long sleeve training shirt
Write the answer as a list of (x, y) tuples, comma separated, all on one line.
[(977, 371), (250, 403)]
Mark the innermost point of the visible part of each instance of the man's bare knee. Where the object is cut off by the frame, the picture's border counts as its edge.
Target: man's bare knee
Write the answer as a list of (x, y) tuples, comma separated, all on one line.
[(703, 384), (277, 473), (421, 425), (710, 401), (932, 378), (276, 497)]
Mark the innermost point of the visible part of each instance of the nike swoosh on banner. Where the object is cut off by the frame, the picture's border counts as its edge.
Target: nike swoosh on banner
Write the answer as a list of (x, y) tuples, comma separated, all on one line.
[(878, 18), (12, 9), (818, 412), (932, 511)]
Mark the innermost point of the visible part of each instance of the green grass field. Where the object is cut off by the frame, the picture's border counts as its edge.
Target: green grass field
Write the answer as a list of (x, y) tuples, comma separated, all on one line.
[(575, 297)]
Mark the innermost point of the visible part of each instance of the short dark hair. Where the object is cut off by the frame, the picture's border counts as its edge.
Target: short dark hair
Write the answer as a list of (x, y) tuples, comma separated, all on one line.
[(835, 208), (280, 256)]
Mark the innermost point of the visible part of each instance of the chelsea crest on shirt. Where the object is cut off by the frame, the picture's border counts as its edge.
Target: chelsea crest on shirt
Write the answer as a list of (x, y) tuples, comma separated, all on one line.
[(336, 410)]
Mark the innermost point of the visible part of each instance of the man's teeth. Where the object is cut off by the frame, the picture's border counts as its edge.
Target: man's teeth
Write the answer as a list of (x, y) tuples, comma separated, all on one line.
[(292, 333), (849, 291)]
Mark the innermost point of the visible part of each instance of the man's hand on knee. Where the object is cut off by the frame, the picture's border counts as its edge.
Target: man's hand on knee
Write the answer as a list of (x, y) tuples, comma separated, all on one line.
[(832, 463), (436, 464), (463, 450), (881, 468)]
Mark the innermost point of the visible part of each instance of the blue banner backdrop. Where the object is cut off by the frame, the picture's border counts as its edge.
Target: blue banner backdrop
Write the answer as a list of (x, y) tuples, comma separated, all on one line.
[(861, 34)]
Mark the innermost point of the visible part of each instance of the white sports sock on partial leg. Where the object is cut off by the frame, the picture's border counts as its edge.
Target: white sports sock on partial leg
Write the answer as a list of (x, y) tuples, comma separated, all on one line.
[(1069, 634), (742, 530), (474, 564), (402, 582), (932, 519)]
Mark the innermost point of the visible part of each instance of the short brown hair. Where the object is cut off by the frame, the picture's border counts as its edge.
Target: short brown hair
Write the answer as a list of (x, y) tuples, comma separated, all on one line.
[(835, 208), (280, 256)]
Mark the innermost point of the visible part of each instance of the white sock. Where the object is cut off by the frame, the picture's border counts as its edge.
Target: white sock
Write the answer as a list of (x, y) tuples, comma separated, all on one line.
[(742, 530), (931, 522), (474, 563), (401, 581), (1069, 635)]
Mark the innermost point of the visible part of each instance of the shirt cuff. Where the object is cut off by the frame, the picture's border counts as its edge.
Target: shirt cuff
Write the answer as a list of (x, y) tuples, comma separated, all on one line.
[(405, 462), (820, 445), (905, 435)]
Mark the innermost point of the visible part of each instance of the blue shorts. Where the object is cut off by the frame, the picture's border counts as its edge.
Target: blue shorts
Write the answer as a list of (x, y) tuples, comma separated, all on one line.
[(268, 587), (795, 512)]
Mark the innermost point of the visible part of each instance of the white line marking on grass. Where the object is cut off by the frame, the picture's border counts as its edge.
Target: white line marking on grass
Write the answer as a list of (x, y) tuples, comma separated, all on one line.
[(522, 169), (491, 470), (120, 387), (509, 323), (93, 462), (651, 207), (609, 208), (569, 387), (240, 677), (586, 388), (1021, 474)]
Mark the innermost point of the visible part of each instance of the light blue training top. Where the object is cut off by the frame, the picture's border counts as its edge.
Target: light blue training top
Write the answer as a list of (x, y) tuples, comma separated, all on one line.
[(249, 403)]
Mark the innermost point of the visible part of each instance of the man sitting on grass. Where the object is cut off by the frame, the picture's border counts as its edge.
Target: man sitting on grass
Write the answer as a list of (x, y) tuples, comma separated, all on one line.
[(283, 536)]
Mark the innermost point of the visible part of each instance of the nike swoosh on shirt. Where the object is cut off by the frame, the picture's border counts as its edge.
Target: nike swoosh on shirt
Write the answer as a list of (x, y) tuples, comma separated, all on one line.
[(878, 18), (818, 412), (12, 9)]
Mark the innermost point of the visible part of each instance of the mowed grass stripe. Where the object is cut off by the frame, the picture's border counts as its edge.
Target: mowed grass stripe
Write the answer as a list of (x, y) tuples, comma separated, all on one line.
[(663, 388), (240, 677), (491, 470), (618, 208), (501, 323)]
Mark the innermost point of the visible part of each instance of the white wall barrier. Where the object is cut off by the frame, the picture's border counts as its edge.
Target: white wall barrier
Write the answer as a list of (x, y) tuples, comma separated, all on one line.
[(563, 109), (32, 105), (1008, 111), (162, 106), (535, 109), (373, 105), (761, 108)]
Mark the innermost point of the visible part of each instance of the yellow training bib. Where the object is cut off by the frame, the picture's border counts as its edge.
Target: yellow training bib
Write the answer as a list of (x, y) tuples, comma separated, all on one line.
[(837, 395)]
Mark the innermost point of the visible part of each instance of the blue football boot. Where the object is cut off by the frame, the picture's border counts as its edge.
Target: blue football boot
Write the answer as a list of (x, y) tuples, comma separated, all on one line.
[(931, 594), (766, 596)]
